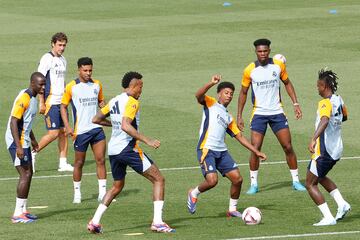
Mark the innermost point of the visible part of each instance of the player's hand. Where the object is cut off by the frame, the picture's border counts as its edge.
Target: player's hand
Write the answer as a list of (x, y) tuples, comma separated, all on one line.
[(240, 123), (20, 152), (42, 109), (311, 146), (35, 145), (69, 131), (261, 156), (154, 143), (298, 112), (215, 79)]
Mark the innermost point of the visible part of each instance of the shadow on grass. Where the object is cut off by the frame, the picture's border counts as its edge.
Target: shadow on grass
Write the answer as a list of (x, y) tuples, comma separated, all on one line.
[(123, 193), (62, 211)]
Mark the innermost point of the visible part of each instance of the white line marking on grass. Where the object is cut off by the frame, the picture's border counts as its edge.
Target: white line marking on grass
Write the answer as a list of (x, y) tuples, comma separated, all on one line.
[(133, 234), (38, 207), (296, 235), (169, 169)]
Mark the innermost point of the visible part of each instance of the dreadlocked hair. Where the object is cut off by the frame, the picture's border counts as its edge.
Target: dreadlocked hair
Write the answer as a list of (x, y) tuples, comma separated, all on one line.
[(329, 77)]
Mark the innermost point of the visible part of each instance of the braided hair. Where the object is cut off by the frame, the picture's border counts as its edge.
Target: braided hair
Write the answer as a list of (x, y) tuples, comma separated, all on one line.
[(329, 77)]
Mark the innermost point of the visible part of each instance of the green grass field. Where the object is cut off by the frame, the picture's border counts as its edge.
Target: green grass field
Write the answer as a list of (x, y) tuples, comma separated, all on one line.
[(177, 46)]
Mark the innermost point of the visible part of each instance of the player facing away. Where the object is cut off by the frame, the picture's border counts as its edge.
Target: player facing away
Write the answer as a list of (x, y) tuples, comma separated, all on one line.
[(85, 95), (123, 151), (264, 77), (326, 147), (212, 152), (53, 66), (19, 137)]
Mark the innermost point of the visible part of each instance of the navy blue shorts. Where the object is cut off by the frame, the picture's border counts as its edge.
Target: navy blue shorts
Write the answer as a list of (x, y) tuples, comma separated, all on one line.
[(321, 166), (53, 120), (210, 161), (27, 160), (82, 141), (136, 159), (277, 122)]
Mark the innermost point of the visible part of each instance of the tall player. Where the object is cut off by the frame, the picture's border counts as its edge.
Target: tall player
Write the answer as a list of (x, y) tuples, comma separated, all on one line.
[(123, 150), (326, 147), (212, 152), (264, 76), (85, 95), (19, 136), (53, 66)]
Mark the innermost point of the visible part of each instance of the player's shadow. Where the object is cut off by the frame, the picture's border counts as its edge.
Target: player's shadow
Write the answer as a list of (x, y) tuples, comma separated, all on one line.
[(64, 211), (123, 193), (276, 185)]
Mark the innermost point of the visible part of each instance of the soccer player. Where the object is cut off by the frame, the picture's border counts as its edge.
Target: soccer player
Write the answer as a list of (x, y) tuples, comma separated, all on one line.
[(124, 151), (53, 66), (264, 77), (85, 95), (326, 148), (212, 151), (19, 136)]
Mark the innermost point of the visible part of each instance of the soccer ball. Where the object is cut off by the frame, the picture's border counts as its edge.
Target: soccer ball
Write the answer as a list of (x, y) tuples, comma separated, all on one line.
[(280, 57), (251, 216)]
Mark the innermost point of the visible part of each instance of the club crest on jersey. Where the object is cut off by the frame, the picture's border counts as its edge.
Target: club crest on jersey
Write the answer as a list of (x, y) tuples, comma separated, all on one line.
[(96, 92), (274, 74), (211, 168)]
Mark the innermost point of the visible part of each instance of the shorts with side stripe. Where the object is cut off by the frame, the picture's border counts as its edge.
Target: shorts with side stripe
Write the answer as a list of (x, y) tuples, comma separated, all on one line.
[(321, 166), (27, 160), (210, 161), (276, 122), (136, 159), (53, 120), (91, 137)]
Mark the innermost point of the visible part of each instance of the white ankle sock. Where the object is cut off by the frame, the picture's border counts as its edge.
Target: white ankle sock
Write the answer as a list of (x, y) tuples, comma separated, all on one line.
[(62, 161), (158, 207), (77, 188), (19, 206), (295, 175), (195, 192), (324, 208), (99, 212), (233, 204), (337, 197), (253, 177), (102, 187)]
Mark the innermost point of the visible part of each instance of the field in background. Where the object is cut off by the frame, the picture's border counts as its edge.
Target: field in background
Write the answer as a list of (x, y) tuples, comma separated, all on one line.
[(177, 46)]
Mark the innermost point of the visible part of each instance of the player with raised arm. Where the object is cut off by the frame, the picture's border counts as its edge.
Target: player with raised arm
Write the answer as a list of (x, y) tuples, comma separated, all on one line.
[(212, 151), (123, 151), (326, 147), (85, 95), (19, 137)]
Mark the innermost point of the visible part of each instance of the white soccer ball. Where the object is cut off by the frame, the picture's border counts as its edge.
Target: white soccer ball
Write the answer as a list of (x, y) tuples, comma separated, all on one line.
[(280, 57), (251, 216)]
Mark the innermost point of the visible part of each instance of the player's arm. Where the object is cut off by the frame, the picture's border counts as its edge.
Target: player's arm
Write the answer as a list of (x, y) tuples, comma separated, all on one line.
[(34, 143), (43, 67), (200, 94), (101, 99), (15, 134), (241, 104), (243, 141), (324, 121), (65, 119), (100, 117), (291, 92), (129, 129)]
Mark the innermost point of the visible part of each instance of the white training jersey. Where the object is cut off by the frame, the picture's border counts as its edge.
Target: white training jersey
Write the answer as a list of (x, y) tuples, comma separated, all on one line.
[(54, 70), (329, 143), (121, 106), (216, 121), (265, 86), (24, 108), (84, 99)]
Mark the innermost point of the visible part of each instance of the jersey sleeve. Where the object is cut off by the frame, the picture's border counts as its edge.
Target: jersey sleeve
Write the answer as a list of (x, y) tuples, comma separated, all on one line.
[(66, 98), (344, 111), (209, 101), (325, 108), (131, 108), (283, 73), (101, 94), (246, 79), (106, 109), (20, 106), (44, 65), (232, 129)]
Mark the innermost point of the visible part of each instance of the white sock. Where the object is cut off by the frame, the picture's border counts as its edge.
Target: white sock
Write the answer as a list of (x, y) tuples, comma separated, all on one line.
[(232, 204), (158, 207), (295, 175), (77, 189), (102, 187), (324, 208), (195, 192), (62, 161), (338, 197), (25, 206), (19, 206), (253, 177), (99, 212)]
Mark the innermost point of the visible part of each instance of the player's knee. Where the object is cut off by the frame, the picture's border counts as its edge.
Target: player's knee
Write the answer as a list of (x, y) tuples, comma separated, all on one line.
[(238, 181), (100, 161), (212, 182), (288, 149), (79, 163), (160, 180)]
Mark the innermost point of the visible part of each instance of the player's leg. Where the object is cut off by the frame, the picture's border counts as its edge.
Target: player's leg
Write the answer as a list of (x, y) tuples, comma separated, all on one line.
[(257, 139), (235, 189), (63, 150), (314, 174), (208, 167), (94, 225), (283, 135), (77, 174), (98, 149)]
